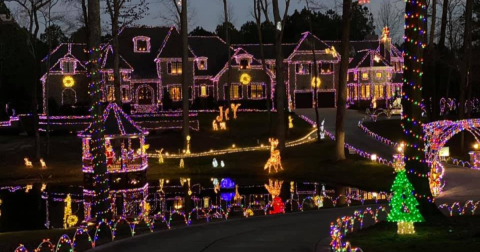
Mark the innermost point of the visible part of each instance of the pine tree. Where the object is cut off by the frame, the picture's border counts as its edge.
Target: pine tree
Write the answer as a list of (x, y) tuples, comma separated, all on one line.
[(403, 204)]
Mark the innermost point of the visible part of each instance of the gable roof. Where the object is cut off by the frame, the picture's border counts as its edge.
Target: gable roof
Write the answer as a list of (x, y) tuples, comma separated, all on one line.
[(233, 61), (268, 50), (143, 63), (366, 58), (66, 50), (172, 46), (212, 47), (116, 123), (108, 59), (308, 39)]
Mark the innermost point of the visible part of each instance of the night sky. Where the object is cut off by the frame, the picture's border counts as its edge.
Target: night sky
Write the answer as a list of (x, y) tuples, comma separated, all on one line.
[(208, 12)]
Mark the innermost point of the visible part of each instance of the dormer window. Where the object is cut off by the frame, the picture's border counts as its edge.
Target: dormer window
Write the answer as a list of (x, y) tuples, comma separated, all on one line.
[(141, 44), (111, 77), (68, 66), (303, 68), (202, 63), (327, 68), (244, 64), (126, 76), (174, 67)]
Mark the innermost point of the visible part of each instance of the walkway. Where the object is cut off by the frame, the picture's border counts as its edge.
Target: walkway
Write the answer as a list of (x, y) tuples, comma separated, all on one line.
[(302, 231), (462, 184)]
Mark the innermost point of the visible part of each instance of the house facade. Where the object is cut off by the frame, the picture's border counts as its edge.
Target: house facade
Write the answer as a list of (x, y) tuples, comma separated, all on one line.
[(151, 72)]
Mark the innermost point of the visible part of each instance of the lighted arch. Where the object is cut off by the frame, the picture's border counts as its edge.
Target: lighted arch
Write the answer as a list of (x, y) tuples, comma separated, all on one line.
[(437, 134)]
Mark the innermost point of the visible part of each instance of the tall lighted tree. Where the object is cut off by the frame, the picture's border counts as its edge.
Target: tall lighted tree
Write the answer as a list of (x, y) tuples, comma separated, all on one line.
[(403, 204), (415, 42)]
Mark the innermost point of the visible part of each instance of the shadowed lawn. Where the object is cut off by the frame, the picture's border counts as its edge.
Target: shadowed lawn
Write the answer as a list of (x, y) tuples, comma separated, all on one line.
[(439, 234)]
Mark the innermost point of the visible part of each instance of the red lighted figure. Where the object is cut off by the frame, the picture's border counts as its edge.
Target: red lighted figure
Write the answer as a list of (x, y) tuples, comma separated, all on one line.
[(278, 206)]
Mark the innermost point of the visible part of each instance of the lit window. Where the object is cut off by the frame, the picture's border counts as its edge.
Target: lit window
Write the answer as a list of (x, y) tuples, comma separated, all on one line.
[(202, 64), (365, 92), (303, 68), (175, 93), (388, 91), (368, 91), (203, 91), (174, 67), (111, 77), (125, 94), (378, 75), (365, 76), (355, 92), (141, 44), (126, 76), (348, 76), (378, 91), (110, 93), (256, 91), (355, 76), (68, 66), (145, 95), (244, 64), (326, 68), (235, 92)]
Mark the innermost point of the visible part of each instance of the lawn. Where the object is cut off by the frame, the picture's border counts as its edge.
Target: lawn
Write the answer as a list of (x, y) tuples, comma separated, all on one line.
[(439, 234)]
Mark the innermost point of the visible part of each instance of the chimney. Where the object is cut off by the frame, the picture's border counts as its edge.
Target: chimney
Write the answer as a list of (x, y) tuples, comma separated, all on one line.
[(386, 43)]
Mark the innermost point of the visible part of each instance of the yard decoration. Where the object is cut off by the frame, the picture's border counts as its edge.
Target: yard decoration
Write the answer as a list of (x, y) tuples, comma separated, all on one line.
[(69, 219), (28, 164), (403, 204), (222, 164), (234, 108), (290, 122), (188, 145), (182, 164), (215, 163), (274, 187), (275, 161), (227, 112), (160, 156), (42, 162)]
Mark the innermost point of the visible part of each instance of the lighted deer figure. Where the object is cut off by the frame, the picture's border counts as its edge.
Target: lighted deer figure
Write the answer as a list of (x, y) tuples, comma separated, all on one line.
[(234, 108), (160, 156), (215, 125), (221, 114), (28, 164), (223, 126), (275, 161), (182, 164), (42, 162)]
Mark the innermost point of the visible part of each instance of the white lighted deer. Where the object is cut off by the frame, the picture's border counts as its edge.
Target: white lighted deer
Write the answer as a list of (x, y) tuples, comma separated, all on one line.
[(275, 161), (160, 156), (28, 164)]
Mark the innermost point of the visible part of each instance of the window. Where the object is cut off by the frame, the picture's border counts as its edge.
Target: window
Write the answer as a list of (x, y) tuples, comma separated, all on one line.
[(364, 76), (365, 92), (388, 91), (244, 64), (124, 94), (174, 67), (202, 64), (256, 91), (175, 93), (111, 77), (355, 92), (303, 68), (126, 76), (378, 75), (69, 97), (203, 91), (145, 95), (355, 76), (235, 92), (141, 44), (68, 66), (326, 68), (379, 92), (110, 93)]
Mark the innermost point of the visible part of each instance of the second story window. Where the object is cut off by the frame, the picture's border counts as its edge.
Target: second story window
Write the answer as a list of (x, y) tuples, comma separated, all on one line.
[(141, 44), (326, 68), (302, 68), (202, 63), (244, 64), (68, 66), (174, 67), (364, 76), (111, 77), (378, 75)]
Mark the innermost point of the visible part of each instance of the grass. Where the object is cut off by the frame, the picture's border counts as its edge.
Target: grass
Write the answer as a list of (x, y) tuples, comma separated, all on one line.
[(439, 234)]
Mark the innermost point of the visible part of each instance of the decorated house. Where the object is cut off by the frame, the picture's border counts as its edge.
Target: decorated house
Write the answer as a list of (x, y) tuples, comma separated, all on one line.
[(151, 71)]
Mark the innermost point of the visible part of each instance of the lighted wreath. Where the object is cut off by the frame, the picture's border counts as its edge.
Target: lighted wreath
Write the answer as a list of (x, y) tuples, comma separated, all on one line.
[(72, 220), (245, 79), (68, 81), (316, 82)]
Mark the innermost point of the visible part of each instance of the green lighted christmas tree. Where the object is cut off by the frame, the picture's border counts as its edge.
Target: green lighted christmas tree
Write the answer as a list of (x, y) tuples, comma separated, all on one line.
[(403, 204)]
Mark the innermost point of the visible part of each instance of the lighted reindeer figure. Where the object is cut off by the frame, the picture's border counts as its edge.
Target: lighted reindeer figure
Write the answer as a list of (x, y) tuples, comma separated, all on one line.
[(234, 108), (227, 112), (28, 164), (215, 125), (42, 162), (275, 161), (160, 156)]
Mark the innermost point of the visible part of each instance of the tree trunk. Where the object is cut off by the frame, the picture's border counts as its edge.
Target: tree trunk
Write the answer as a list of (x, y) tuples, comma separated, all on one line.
[(432, 24), (467, 44), (227, 38), (116, 54), (443, 27), (342, 83), (101, 184), (411, 118), (185, 73), (36, 131), (280, 82)]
